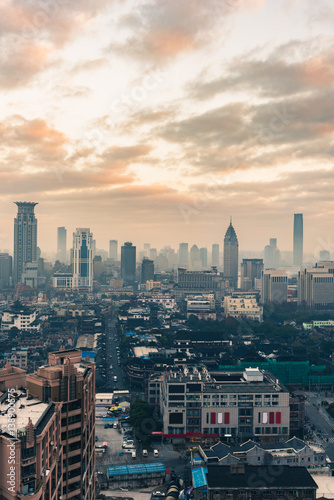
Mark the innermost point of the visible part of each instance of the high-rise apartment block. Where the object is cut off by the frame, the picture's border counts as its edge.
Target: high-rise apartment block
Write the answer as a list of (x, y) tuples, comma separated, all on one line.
[(316, 286), (83, 259), (113, 253), (231, 255), (47, 439), (128, 263), (5, 269), (251, 270), (61, 244), (298, 240), (274, 286), (215, 255), (25, 237)]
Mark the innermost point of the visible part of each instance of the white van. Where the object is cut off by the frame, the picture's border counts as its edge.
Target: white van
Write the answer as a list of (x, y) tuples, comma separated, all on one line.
[(134, 454)]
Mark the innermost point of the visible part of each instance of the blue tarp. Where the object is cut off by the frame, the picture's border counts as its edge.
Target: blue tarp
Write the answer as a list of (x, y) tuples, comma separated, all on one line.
[(127, 470), (199, 477), (90, 354)]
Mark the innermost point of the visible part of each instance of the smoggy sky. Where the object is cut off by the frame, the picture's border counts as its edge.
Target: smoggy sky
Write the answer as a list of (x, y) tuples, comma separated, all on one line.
[(155, 120)]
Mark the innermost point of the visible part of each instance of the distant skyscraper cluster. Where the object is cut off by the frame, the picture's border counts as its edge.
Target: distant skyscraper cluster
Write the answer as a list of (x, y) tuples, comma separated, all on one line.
[(315, 285)]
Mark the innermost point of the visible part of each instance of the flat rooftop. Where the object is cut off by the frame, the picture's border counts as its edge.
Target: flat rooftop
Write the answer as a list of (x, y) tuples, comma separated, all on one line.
[(24, 409), (141, 351)]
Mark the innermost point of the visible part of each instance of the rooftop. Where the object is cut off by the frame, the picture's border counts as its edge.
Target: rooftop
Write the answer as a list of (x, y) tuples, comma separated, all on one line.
[(24, 409), (256, 476)]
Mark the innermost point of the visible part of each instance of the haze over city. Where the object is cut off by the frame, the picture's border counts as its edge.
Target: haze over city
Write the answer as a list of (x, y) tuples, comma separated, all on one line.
[(157, 120)]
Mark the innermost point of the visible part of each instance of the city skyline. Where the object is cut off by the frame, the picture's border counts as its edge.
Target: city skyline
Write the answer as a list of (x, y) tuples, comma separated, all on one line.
[(167, 114), (319, 249)]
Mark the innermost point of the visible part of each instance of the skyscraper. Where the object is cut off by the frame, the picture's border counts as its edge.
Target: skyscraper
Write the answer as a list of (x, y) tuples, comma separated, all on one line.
[(147, 270), (183, 254), (251, 269), (25, 237), (298, 239), (215, 255), (203, 256), (113, 249), (272, 255), (5, 269), (195, 259), (147, 247), (83, 259), (61, 244), (231, 250), (128, 263)]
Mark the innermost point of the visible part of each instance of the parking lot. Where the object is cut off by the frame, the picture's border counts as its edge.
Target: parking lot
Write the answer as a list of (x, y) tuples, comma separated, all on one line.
[(112, 456)]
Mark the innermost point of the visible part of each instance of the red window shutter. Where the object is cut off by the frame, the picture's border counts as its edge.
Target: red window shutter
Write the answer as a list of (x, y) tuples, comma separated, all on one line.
[(271, 417), (213, 418), (278, 417), (226, 418)]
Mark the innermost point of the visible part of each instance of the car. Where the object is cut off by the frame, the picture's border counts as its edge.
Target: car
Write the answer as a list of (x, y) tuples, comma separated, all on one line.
[(128, 446), (134, 454), (106, 426), (155, 453), (145, 454), (128, 441)]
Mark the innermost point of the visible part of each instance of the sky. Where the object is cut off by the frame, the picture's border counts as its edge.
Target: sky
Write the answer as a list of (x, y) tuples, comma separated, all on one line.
[(156, 120)]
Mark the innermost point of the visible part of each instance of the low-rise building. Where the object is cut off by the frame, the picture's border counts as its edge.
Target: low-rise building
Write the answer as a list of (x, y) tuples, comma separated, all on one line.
[(259, 482), (202, 306), (241, 405), (292, 452), (243, 305), (21, 317)]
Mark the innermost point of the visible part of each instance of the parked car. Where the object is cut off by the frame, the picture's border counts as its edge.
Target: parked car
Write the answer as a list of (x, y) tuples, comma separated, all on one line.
[(145, 454), (134, 454), (155, 453)]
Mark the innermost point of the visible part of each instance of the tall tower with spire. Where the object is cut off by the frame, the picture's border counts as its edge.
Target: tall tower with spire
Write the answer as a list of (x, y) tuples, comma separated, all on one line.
[(231, 255)]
